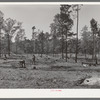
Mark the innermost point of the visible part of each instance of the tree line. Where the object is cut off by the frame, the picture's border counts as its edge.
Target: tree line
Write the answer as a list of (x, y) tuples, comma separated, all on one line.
[(9, 29), (61, 39)]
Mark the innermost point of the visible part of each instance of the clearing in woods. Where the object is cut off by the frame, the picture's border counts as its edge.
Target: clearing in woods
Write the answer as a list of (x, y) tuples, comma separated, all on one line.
[(50, 72)]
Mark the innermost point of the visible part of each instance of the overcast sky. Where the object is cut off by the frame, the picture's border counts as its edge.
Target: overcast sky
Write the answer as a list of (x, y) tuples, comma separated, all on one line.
[(42, 15)]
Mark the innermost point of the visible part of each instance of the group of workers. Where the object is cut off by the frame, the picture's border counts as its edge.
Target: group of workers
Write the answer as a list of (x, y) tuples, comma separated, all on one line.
[(22, 62)]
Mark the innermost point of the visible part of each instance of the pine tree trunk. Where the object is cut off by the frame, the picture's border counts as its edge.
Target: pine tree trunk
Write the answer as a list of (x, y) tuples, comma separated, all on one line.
[(62, 47), (66, 47), (85, 54), (93, 46), (53, 46), (70, 53), (95, 50), (34, 46), (42, 49), (16, 47), (47, 48), (0, 42), (8, 45), (77, 34)]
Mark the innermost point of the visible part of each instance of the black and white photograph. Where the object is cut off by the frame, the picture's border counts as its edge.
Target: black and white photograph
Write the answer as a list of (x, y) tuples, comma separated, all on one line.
[(50, 46)]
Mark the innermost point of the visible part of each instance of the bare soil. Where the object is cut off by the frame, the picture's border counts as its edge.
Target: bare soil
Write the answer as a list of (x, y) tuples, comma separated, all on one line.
[(50, 72)]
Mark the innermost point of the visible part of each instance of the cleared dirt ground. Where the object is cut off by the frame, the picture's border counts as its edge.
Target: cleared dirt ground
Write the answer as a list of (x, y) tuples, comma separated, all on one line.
[(50, 72)]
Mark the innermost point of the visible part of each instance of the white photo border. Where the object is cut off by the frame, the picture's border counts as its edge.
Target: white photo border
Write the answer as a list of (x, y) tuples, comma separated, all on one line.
[(49, 93)]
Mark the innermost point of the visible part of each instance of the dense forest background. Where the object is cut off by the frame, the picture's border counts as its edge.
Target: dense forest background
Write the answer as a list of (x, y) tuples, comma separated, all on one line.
[(60, 41)]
